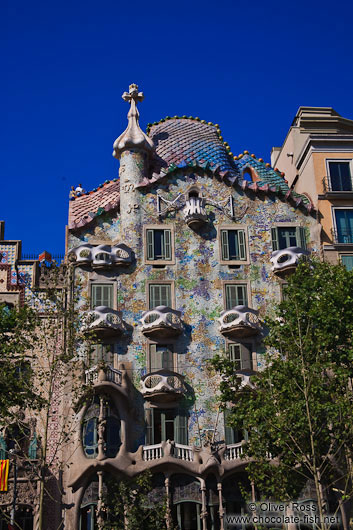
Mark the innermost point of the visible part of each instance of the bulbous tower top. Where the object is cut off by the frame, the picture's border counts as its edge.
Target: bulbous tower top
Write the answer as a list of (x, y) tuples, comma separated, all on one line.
[(133, 137)]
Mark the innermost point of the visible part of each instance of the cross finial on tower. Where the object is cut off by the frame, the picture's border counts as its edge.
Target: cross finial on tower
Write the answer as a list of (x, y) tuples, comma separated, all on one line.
[(133, 136), (133, 94)]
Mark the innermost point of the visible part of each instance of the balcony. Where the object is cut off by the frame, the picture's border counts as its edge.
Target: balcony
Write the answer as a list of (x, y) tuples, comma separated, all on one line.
[(239, 322), (233, 451), (163, 385), (194, 212), (286, 260), (99, 374), (161, 322), (173, 449), (342, 237), (103, 322), (101, 256), (337, 188)]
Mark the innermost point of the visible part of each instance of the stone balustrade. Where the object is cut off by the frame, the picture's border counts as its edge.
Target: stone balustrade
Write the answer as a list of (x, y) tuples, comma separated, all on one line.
[(104, 322), (163, 385), (287, 259), (152, 452), (233, 451), (194, 212), (241, 321), (101, 256), (161, 321), (183, 452)]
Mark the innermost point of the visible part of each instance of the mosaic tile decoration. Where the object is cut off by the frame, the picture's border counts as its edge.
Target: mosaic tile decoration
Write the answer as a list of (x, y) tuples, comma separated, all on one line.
[(8, 253)]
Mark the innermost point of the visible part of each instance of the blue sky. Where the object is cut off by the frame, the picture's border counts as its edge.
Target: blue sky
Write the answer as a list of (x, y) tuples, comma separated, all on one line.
[(246, 66)]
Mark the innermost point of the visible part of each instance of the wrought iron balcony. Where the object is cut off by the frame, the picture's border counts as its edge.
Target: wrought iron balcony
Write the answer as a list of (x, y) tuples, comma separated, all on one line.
[(103, 322), (342, 237), (286, 260), (338, 185), (241, 321), (97, 374), (194, 212), (162, 321), (101, 256), (163, 385)]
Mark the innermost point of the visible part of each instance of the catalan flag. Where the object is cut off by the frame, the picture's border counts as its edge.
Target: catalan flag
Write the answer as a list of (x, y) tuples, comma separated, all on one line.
[(4, 473)]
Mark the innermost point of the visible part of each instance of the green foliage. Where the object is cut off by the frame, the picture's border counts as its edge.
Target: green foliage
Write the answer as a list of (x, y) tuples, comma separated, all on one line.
[(133, 501), (17, 333), (301, 412)]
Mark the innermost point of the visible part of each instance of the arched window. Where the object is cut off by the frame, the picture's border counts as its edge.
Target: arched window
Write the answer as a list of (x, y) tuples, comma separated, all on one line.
[(101, 409), (194, 193), (88, 508)]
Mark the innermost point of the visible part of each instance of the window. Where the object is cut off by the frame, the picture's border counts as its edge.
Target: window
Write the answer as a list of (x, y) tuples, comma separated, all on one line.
[(159, 244), (288, 236), (344, 225), (347, 261), (340, 176), (161, 356), (101, 294), (160, 294), (240, 355), (112, 439), (166, 424), (235, 294), (232, 436), (233, 245)]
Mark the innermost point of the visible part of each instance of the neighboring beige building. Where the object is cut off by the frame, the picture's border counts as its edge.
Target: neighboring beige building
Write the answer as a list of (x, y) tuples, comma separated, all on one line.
[(317, 160)]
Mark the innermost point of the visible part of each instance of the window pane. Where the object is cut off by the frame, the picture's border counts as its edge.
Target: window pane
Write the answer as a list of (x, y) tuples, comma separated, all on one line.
[(340, 176), (101, 294), (158, 244), (235, 295), (159, 295), (347, 261), (233, 244), (344, 223), (287, 237)]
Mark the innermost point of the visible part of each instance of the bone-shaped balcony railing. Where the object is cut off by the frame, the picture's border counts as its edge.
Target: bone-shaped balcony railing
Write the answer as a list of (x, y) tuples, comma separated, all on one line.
[(104, 320), (95, 374), (101, 256), (161, 319), (194, 211), (163, 382), (233, 451), (241, 321), (287, 258)]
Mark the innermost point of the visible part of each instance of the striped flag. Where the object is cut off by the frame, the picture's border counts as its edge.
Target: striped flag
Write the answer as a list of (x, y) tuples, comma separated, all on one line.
[(4, 473)]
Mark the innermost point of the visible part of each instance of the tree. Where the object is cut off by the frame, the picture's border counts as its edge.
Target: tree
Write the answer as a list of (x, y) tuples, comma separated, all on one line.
[(43, 374), (130, 504), (301, 411)]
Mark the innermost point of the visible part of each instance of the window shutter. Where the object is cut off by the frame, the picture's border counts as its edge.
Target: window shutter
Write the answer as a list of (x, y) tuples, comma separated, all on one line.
[(153, 296), (153, 358), (230, 296), (225, 245), (241, 244), (242, 295), (181, 427), (95, 295), (165, 295), (150, 244), (107, 295), (274, 234), (234, 351), (149, 427), (167, 359), (246, 361), (301, 237), (228, 431), (3, 448), (167, 244)]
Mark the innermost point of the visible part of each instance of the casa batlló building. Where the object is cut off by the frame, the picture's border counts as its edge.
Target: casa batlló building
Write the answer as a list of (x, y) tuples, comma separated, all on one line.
[(178, 259)]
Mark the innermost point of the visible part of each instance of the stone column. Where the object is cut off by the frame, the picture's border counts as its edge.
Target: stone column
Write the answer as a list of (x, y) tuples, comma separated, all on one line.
[(204, 504), (168, 514), (221, 511)]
